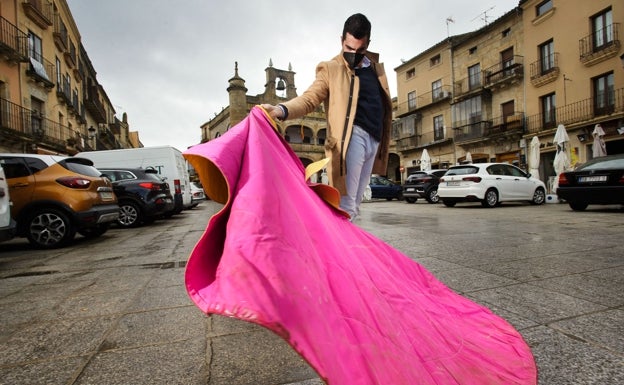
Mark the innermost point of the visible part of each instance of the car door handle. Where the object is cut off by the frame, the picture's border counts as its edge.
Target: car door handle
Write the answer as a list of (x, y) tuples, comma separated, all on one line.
[(20, 185), (499, 178)]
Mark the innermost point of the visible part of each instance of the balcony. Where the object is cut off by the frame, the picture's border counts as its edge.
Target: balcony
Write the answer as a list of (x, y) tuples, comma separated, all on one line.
[(63, 93), (94, 105), (545, 70), (61, 36), (19, 123), (471, 132), (584, 111), (468, 87), (503, 74), (39, 11), (13, 42), (510, 126), (600, 45), (423, 100), (41, 71)]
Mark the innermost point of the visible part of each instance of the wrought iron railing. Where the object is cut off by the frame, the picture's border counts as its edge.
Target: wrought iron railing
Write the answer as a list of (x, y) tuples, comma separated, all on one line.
[(13, 41), (603, 39), (506, 124), (578, 112), (504, 71), (545, 66)]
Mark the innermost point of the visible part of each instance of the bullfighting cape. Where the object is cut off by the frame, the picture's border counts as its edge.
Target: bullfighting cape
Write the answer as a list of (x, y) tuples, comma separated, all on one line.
[(358, 310)]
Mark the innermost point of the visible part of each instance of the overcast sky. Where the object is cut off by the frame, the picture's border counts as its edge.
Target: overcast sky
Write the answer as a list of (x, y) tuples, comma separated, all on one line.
[(167, 63)]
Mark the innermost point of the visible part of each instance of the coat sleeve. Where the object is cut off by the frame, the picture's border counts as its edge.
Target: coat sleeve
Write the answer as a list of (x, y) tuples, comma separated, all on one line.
[(316, 94)]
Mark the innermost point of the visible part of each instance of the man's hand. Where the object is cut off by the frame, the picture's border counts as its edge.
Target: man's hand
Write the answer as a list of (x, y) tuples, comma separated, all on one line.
[(274, 111)]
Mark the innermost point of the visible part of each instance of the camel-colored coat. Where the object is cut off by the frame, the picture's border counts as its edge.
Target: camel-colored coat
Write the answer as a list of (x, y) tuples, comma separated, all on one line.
[(333, 86)]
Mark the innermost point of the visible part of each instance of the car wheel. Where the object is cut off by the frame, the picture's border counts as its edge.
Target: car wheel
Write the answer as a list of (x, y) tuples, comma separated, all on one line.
[(449, 203), (491, 198), (129, 214), (539, 196), (432, 196), (578, 206), (411, 200), (94, 232), (49, 228)]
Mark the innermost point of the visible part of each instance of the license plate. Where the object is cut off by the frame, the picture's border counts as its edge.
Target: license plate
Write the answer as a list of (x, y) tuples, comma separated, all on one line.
[(106, 195), (452, 183), (409, 189), (590, 179)]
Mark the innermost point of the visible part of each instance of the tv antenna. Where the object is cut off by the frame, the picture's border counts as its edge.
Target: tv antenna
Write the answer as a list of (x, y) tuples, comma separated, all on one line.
[(483, 15), (448, 20)]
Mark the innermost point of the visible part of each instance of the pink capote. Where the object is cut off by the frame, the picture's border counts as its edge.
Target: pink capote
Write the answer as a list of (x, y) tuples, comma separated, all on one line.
[(359, 311)]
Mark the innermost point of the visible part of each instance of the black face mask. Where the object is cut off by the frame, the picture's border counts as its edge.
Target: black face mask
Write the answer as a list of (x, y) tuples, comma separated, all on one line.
[(352, 58)]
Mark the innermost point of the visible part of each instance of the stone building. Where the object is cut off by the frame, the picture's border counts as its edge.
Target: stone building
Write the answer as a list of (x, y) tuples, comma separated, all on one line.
[(574, 75), (487, 93), (463, 98), (50, 99)]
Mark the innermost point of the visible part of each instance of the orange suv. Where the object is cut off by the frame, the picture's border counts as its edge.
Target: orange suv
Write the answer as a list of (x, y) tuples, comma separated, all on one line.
[(55, 196)]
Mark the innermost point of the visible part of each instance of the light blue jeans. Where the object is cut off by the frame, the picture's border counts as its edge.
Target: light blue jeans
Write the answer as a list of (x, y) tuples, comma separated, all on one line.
[(359, 161)]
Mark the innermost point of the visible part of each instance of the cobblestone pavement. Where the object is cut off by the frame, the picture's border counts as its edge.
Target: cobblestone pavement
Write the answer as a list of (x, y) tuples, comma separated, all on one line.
[(114, 310)]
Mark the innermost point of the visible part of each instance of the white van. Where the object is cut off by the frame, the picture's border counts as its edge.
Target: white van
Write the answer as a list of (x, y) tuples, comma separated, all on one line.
[(166, 160), (7, 224)]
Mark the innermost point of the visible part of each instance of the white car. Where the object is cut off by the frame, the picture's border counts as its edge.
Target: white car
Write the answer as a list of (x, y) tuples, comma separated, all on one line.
[(490, 184), (197, 193), (7, 224)]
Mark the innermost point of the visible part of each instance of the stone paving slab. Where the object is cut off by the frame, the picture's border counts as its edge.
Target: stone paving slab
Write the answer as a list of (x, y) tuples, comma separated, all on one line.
[(114, 310)]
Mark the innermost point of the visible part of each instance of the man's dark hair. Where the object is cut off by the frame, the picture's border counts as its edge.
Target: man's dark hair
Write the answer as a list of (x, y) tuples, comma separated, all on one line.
[(358, 26)]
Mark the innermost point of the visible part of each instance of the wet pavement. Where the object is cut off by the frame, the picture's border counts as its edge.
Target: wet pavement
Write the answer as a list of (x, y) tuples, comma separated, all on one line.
[(114, 310)]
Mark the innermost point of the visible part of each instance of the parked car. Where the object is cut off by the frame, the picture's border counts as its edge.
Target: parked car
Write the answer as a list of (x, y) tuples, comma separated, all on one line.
[(53, 197), (7, 224), (599, 181), (143, 196), (423, 185), (490, 184), (197, 193), (385, 188)]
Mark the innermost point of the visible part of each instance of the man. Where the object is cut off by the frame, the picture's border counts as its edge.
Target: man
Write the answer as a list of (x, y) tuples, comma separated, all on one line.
[(354, 88)]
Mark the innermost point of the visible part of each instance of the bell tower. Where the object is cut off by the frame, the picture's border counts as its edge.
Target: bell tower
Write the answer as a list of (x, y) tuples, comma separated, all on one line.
[(238, 97), (280, 84)]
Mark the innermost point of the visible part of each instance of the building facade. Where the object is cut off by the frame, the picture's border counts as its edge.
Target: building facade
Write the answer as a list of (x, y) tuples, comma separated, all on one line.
[(484, 95), (575, 75), (50, 99)]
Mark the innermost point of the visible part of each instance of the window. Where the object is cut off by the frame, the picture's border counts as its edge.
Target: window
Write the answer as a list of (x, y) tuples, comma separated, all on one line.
[(58, 71), (472, 50), (434, 60), (602, 29), (547, 56), (508, 108), (36, 116), (604, 94), (436, 89), (507, 60), (543, 7), (34, 47), (468, 111), (411, 100), (438, 127), (549, 117), (410, 73), (506, 32), (474, 76)]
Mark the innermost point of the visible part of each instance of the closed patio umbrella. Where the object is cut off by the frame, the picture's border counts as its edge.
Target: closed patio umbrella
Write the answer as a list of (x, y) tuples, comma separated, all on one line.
[(599, 148), (534, 157), (562, 158), (425, 161)]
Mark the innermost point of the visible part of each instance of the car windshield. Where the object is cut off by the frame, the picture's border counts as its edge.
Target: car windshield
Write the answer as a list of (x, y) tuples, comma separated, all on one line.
[(462, 170), (603, 164)]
